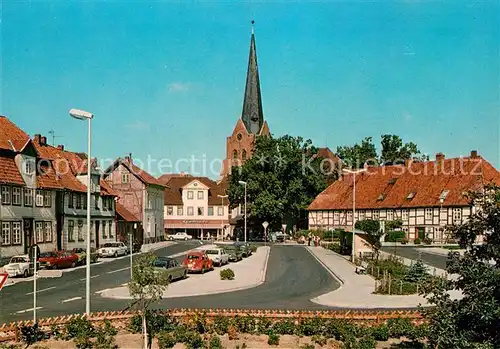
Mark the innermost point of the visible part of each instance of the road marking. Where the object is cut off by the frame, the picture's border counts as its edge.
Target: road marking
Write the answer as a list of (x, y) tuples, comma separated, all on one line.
[(42, 290), (71, 299), (116, 271), (83, 279), (27, 310), (101, 291)]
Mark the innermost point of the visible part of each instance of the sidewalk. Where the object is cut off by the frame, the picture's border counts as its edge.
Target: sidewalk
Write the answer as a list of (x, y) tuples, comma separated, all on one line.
[(250, 272), (357, 290)]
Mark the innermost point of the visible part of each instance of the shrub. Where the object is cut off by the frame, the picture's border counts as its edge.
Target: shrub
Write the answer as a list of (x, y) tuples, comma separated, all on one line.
[(244, 324), (263, 324), (417, 241), (380, 333), (404, 241), (193, 340), (319, 339), (395, 236), (227, 274), (215, 343), (273, 339), (427, 241), (307, 346), (283, 327), (31, 334), (335, 247), (166, 340), (400, 327), (79, 327), (105, 337), (367, 343), (220, 325), (253, 248)]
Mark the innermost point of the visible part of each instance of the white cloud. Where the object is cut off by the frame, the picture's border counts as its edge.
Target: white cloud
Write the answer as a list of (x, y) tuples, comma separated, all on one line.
[(138, 125), (179, 87)]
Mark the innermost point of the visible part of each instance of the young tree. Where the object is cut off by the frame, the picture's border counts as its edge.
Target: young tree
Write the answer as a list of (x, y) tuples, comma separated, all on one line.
[(357, 155), (372, 229), (147, 287), (474, 320)]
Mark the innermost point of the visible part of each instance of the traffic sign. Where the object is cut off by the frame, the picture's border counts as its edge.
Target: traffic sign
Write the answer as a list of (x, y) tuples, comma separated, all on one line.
[(265, 224), (3, 278)]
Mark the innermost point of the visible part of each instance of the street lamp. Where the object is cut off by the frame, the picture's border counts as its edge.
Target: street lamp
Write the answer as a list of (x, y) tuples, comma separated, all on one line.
[(353, 172), (222, 197), (84, 115), (245, 184)]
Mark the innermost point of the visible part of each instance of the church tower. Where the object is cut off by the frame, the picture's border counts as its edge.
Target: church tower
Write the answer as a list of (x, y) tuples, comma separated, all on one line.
[(239, 146)]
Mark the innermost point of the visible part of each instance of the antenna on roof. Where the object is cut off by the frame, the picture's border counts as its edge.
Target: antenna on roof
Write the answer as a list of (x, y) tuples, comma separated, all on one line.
[(53, 134)]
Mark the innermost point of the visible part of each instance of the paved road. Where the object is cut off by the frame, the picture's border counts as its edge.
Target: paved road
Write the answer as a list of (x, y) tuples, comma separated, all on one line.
[(293, 277), (415, 253)]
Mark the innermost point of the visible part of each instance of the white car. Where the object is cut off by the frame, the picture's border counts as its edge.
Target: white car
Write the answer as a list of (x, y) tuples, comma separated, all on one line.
[(18, 266), (180, 236), (218, 255), (113, 249)]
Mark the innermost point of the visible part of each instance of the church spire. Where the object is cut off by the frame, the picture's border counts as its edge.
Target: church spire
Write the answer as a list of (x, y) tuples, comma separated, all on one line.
[(252, 114)]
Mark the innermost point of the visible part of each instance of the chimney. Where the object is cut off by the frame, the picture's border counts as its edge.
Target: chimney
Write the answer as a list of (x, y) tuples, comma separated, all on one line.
[(473, 154), (439, 157), (60, 147), (43, 140), (37, 138)]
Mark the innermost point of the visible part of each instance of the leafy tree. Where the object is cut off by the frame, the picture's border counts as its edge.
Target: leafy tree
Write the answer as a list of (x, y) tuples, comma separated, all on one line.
[(357, 155), (474, 320), (394, 151), (147, 287), (283, 177), (372, 229), (393, 225)]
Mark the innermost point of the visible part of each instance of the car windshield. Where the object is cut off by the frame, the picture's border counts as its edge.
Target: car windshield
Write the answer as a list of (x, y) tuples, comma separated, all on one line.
[(18, 260), (111, 244), (48, 254), (193, 257), (212, 252)]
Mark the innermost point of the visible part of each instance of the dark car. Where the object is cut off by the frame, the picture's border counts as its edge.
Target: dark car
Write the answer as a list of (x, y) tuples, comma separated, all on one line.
[(246, 249), (235, 252), (82, 255)]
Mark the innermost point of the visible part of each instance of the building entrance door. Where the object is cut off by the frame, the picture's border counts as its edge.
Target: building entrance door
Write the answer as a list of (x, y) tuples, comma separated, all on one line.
[(28, 233), (97, 234)]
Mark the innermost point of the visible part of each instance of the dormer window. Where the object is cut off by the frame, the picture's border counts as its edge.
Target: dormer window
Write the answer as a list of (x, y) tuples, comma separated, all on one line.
[(29, 167), (443, 195), (411, 195), (125, 178)]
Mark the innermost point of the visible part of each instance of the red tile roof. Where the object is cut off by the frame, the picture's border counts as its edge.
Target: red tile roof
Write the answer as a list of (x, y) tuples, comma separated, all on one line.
[(142, 175), (390, 186), (12, 137), (125, 214), (9, 173), (165, 178), (173, 194), (326, 153)]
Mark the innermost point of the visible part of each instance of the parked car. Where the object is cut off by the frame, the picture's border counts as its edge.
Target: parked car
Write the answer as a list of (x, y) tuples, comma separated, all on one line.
[(18, 266), (234, 251), (113, 249), (198, 262), (180, 236), (82, 255), (245, 247), (218, 255), (58, 259), (174, 270)]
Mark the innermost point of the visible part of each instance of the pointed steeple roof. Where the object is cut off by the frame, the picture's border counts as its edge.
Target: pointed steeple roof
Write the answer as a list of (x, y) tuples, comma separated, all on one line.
[(252, 115)]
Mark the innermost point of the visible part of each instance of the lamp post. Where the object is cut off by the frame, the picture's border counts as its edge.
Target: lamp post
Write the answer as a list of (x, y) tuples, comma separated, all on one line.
[(353, 172), (222, 197), (245, 184), (84, 115)]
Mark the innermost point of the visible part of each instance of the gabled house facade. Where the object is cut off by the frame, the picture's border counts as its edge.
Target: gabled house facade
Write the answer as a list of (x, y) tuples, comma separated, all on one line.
[(427, 197), (194, 205), (141, 194), (28, 192)]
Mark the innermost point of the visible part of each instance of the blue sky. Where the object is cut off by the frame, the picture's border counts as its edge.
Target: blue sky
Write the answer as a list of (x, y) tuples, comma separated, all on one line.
[(166, 79)]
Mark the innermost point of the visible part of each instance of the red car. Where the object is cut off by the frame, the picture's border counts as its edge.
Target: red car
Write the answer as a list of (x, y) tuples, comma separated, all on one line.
[(198, 262), (58, 259)]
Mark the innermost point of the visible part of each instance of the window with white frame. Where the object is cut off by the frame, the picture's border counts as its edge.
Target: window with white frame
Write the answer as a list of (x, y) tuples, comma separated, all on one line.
[(104, 232), (16, 196), (390, 215), (336, 215), (190, 194), (190, 210), (210, 211), (29, 166), (39, 231), (125, 177), (5, 195), (180, 210), (79, 229), (200, 195), (28, 197), (6, 233), (220, 211), (110, 229), (457, 214), (48, 231), (200, 211), (71, 227), (349, 215), (47, 198), (376, 214), (39, 198), (16, 233), (361, 215), (404, 214), (428, 214), (170, 210)]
